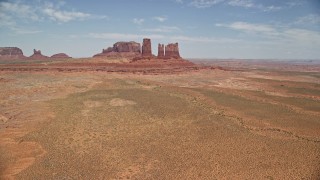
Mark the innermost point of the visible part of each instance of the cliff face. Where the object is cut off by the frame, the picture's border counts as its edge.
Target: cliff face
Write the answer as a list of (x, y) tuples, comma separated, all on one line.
[(11, 53), (125, 49), (160, 51), (7, 53), (172, 51), (146, 48), (136, 52), (169, 51)]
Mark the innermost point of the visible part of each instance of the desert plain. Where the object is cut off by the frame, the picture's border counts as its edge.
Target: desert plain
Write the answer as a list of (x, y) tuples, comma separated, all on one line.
[(238, 119)]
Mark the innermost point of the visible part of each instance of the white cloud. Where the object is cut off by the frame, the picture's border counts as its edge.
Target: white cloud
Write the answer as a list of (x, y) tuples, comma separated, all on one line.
[(249, 27), (120, 36), (19, 10), (270, 8), (294, 3), (17, 16), (99, 17), (24, 31), (160, 18), (302, 35), (64, 16), (191, 39), (163, 29), (309, 19), (203, 39), (241, 3), (276, 34), (251, 4), (10, 11), (179, 1), (204, 3), (128, 37), (138, 21), (6, 21), (236, 3)]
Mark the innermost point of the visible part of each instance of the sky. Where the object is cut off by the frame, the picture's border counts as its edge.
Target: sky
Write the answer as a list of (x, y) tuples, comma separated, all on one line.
[(248, 29)]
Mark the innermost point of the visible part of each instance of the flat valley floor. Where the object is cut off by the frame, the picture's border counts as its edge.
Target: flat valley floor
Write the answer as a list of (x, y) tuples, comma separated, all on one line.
[(252, 123)]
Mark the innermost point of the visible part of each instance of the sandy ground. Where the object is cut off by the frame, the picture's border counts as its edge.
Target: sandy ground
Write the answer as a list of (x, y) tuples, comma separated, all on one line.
[(208, 124)]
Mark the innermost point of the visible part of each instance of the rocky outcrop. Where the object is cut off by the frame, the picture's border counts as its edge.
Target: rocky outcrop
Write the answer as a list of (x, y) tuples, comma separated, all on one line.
[(127, 47), (160, 51), (108, 50), (135, 52), (121, 49), (172, 51), (146, 48), (37, 55), (11, 53), (60, 56)]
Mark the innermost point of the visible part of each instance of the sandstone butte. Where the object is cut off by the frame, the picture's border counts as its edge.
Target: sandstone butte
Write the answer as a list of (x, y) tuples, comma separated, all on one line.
[(11, 53), (146, 48), (14, 53), (121, 57), (130, 50), (121, 49), (60, 55), (137, 52), (160, 51), (37, 55)]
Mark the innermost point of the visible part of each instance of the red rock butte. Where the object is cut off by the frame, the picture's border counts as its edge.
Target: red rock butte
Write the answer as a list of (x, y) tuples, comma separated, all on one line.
[(14, 53), (121, 49), (37, 55), (134, 51), (11, 53), (121, 57), (160, 51), (60, 56), (146, 48), (172, 51)]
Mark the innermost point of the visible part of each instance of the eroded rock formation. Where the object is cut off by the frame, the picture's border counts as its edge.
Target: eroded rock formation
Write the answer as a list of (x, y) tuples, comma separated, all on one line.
[(172, 51), (37, 55), (160, 51), (11, 53), (60, 55), (146, 48), (135, 52), (126, 49)]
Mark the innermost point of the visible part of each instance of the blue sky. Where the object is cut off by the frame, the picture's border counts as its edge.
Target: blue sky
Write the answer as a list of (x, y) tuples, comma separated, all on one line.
[(255, 29)]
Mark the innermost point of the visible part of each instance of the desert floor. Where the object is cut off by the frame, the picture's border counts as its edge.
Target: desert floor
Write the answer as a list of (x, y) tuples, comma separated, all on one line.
[(248, 122)]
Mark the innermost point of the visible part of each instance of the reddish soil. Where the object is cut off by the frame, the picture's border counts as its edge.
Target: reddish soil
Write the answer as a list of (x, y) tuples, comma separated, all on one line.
[(153, 66), (89, 119)]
